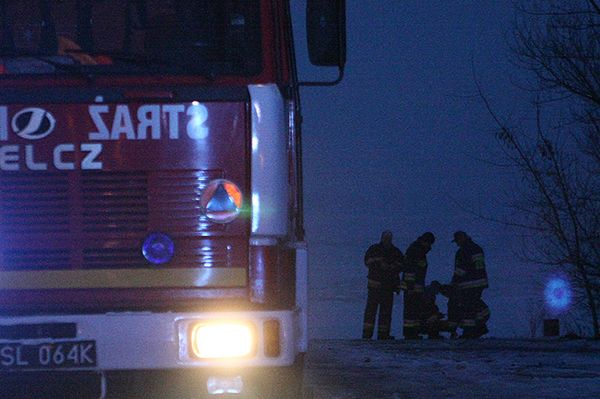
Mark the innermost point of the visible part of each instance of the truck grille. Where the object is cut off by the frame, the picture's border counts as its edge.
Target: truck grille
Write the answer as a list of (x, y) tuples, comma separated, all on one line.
[(98, 220), (33, 205), (114, 202)]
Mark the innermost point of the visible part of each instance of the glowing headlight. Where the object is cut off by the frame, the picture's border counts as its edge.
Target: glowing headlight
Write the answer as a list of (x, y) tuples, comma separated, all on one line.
[(221, 201), (226, 340)]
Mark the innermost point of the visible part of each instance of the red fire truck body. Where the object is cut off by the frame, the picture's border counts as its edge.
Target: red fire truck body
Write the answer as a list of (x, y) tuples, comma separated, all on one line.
[(150, 199)]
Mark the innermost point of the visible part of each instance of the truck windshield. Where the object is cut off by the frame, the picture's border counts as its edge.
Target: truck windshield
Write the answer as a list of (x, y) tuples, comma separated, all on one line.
[(207, 37)]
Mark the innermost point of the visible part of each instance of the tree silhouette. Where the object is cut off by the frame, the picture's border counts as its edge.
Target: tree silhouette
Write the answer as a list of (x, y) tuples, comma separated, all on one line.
[(558, 155)]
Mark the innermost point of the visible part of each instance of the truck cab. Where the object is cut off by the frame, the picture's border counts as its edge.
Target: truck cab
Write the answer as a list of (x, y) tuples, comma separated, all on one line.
[(151, 197)]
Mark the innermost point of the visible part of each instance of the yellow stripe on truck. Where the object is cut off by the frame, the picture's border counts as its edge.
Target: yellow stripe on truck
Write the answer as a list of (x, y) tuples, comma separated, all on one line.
[(124, 278)]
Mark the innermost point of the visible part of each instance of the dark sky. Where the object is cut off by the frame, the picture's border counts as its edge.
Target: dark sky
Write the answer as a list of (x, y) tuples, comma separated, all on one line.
[(404, 143)]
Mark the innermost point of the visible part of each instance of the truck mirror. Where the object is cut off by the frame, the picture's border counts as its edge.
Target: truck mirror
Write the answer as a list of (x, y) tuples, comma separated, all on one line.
[(326, 32)]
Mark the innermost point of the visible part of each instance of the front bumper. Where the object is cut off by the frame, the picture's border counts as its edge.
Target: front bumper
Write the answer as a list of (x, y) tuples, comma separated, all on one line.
[(259, 383), (147, 341)]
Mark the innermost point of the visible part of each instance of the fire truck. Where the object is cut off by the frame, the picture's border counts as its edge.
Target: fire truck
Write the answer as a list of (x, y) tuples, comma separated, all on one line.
[(151, 227)]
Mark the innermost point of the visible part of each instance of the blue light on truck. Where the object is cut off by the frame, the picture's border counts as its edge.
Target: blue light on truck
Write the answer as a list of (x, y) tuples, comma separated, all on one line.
[(158, 248)]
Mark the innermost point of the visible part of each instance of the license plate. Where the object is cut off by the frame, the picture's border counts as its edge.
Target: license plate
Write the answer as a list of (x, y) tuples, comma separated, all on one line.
[(55, 355)]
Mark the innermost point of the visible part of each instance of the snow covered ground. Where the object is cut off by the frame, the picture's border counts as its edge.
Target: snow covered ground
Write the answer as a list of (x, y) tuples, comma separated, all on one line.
[(489, 368)]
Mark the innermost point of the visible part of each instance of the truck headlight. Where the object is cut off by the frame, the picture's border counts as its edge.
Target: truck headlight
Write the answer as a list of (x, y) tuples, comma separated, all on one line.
[(223, 340)]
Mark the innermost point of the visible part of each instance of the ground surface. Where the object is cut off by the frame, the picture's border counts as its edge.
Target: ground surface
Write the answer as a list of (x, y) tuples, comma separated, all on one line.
[(490, 368)]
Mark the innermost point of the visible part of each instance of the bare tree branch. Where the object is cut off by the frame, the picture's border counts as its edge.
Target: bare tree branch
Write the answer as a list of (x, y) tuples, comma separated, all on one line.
[(559, 159)]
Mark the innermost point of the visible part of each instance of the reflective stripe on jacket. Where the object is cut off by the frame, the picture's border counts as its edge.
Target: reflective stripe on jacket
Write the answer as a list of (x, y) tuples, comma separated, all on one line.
[(384, 273), (469, 267), (413, 278)]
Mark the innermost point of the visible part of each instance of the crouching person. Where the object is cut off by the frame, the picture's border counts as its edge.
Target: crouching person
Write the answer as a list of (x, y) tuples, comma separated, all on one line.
[(432, 319), (464, 311)]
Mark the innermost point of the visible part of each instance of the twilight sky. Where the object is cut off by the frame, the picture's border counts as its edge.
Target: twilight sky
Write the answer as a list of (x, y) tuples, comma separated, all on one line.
[(400, 143)]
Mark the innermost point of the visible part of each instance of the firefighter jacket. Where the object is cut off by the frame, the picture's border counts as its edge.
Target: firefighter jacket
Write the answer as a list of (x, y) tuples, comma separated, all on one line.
[(415, 267), (385, 265), (469, 267)]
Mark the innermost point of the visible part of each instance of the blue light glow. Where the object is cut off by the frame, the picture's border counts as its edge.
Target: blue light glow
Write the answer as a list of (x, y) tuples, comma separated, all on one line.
[(158, 248), (558, 294)]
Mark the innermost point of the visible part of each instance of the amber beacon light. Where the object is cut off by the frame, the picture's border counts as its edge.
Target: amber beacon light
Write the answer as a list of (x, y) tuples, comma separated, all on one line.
[(221, 201)]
